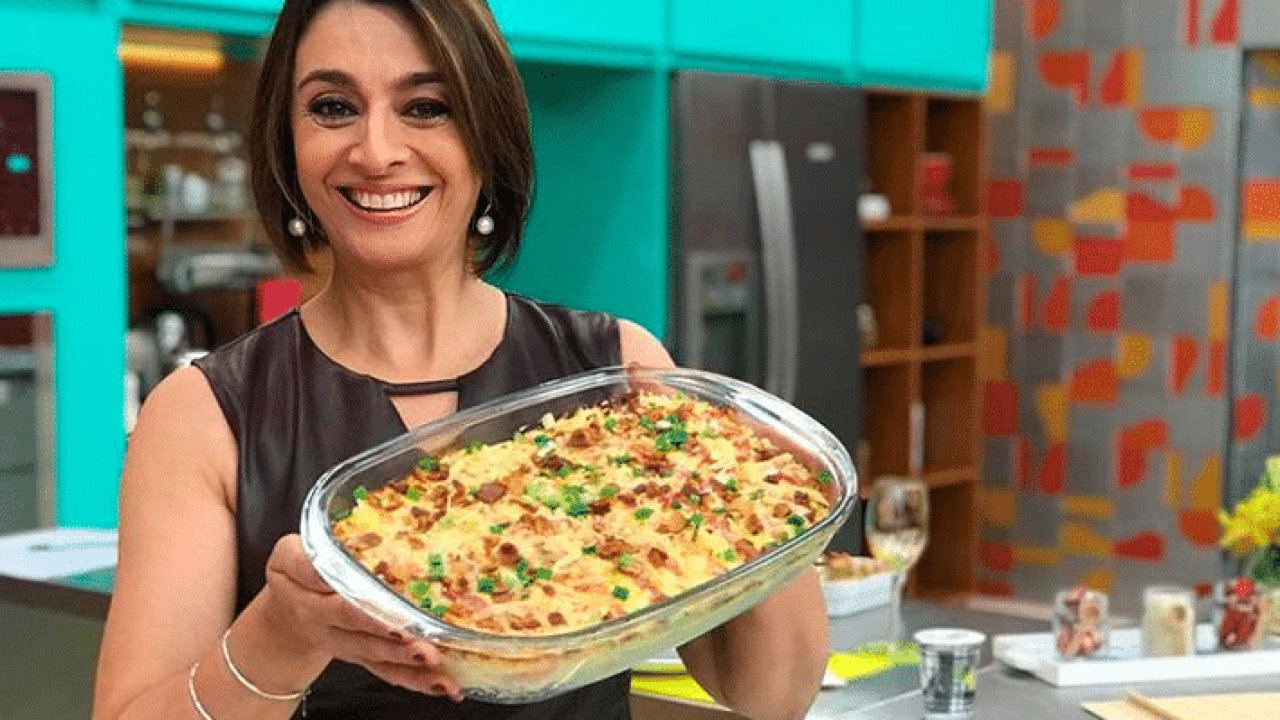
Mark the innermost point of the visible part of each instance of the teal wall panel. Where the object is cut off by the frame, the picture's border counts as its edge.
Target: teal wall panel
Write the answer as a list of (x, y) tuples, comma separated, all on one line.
[(599, 215), (813, 33), (925, 43), (85, 287), (239, 17), (607, 23)]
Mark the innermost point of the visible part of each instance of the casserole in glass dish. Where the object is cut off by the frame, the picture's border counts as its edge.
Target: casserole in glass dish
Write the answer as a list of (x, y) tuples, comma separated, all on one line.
[(507, 668)]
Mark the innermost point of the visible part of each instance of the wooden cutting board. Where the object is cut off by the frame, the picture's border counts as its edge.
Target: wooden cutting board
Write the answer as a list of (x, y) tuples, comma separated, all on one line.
[(1244, 706)]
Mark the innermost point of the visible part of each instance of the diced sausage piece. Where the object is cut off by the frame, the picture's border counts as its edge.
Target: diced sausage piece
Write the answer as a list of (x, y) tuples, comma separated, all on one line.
[(491, 492), (579, 439), (556, 618), (600, 507), (368, 540), (781, 510)]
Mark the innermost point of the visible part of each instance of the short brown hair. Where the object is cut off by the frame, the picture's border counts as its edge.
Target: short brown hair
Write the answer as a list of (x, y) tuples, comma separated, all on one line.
[(486, 96)]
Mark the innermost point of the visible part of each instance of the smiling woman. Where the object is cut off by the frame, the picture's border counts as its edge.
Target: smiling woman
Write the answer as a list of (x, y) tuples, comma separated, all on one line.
[(395, 134)]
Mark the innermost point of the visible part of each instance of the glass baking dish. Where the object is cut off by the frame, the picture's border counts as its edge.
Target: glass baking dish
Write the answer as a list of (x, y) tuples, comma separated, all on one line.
[(507, 669)]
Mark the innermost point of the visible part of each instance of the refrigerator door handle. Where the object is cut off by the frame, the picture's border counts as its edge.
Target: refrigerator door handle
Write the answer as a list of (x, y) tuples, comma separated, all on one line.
[(778, 266)]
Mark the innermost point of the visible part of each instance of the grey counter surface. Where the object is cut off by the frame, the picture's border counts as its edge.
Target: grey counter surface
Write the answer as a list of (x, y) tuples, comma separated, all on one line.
[(1003, 693)]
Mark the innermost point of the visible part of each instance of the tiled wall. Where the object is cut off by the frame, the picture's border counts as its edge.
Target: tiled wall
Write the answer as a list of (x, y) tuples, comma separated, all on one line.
[(1106, 407), (1256, 432)]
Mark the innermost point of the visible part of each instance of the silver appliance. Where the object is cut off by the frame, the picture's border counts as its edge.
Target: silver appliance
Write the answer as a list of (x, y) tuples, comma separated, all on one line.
[(767, 249)]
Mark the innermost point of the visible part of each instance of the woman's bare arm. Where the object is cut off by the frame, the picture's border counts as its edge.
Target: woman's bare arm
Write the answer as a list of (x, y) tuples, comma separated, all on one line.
[(175, 586)]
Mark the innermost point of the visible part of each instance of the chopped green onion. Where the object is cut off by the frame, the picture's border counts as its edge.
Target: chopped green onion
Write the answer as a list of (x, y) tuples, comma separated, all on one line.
[(644, 513), (621, 592), (413, 494), (589, 550), (429, 464), (360, 493), (610, 423), (498, 528), (543, 573), (474, 446), (824, 476), (486, 585)]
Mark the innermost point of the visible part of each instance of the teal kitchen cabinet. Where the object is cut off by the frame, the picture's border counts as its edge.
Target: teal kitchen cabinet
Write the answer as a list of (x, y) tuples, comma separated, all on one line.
[(800, 37), (238, 17), (932, 44), (603, 32), (83, 290), (597, 233)]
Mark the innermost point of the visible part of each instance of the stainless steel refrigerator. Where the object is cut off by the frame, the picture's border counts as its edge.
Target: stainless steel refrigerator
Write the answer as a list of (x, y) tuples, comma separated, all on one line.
[(767, 251)]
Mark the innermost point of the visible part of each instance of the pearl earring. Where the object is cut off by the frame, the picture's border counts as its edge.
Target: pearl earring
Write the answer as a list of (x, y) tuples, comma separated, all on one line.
[(484, 223), (297, 227)]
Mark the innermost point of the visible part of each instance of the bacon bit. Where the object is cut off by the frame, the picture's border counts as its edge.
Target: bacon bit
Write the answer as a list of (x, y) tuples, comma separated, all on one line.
[(508, 554), (489, 542), (684, 411), (781, 510), (673, 523), (552, 462), (381, 568), (549, 590), (489, 623), (535, 524), (368, 540), (491, 492), (746, 549), (754, 524), (401, 486), (556, 618), (600, 507), (580, 438), (627, 499), (658, 557), (654, 462), (765, 453), (415, 542), (459, 492), (613, 547)]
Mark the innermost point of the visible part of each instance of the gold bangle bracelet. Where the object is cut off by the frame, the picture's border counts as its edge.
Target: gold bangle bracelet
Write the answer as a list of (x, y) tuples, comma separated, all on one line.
[(239, 676), (191, 690)]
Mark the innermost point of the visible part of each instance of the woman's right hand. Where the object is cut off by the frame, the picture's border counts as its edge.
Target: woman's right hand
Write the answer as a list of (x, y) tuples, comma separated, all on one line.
[(318, 623)]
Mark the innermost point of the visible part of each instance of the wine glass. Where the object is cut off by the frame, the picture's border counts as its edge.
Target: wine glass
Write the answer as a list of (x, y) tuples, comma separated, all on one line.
[(897, 530)]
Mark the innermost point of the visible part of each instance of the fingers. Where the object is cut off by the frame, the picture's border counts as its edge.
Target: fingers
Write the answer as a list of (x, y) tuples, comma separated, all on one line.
[(418, 679)]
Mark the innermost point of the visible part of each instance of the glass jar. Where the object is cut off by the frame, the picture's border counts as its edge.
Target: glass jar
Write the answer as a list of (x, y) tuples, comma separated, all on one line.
[(1168, 621), (1241, 610), (1081, 623)]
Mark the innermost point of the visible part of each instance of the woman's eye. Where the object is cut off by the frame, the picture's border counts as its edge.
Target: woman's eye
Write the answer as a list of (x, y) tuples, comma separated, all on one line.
[(331, 109), (427, 110)]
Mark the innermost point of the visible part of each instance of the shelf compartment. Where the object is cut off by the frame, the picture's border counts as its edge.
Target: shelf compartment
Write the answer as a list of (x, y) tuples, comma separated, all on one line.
[(947, 566), (953, 126), (894, 132), (951, 285), (888, 288), (887, 391), (947, 392)]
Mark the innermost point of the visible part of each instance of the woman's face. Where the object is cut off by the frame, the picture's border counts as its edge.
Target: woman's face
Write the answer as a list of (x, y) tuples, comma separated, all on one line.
[(380, 159)]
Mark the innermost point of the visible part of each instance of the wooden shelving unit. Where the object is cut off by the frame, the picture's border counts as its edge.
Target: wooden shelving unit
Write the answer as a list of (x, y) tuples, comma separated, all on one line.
[(923, 285)]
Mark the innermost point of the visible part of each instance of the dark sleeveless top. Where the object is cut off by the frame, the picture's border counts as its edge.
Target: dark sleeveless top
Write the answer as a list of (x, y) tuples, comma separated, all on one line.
[(295, 413)]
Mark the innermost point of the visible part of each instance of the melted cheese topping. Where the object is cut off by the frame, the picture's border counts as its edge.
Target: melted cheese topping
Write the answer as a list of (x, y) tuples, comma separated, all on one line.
[(585, 518)]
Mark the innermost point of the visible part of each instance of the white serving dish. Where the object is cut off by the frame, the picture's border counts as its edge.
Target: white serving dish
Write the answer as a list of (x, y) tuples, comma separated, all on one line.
[(1123, 662), (507, 669), (855, 595)]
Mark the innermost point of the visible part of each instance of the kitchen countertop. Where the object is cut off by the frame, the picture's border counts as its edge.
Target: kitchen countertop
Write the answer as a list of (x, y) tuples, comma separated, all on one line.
[(1003, 693)]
